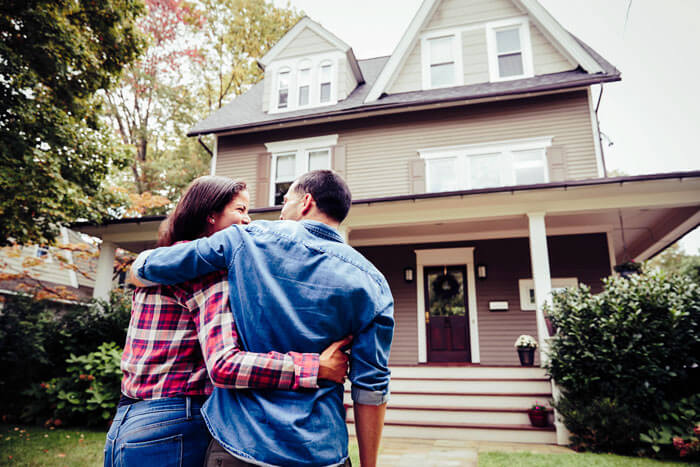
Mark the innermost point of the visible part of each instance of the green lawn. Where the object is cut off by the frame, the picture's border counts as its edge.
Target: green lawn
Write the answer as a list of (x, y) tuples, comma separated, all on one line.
[(36, 446), (527, 459)]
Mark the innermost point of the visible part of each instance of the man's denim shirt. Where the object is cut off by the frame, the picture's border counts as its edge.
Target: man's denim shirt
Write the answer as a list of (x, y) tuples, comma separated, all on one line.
[(295, 286)]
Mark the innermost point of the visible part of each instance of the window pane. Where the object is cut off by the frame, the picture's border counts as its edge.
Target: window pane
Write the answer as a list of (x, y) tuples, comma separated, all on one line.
[(441, 50), (442, 175), (510, 65), (508, 40), (304, 76), (325, 92), (283, 99), (285, 168), (319, 159), (303, 95), (529, 175), (283, 90), (442, 75), (528, 157), (485, 171), (325, 74), (280, 191)]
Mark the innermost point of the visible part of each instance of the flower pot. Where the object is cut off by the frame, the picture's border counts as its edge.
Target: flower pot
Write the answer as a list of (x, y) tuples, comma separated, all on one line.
[(526, 355), (537, 418)]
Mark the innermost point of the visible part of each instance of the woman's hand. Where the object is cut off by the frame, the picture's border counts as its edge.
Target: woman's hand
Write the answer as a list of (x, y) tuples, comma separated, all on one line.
[(333, 362)]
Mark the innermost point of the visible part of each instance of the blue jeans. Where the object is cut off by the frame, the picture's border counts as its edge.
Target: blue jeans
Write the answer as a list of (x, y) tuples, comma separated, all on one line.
[(159, 432)]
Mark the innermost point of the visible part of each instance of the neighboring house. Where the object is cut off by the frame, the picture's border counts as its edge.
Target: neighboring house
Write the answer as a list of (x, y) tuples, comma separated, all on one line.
[(474, 156)]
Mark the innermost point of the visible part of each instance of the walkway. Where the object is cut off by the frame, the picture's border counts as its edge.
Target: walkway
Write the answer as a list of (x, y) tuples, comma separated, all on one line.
[(398, 452)]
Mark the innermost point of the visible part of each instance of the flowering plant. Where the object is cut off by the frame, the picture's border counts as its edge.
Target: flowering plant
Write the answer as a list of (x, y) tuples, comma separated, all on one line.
[(526, 341), (538, 407)]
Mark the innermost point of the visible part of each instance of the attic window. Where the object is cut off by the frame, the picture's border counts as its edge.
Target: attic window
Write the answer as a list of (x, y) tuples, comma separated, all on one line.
[(304, 83), (510, 52), (325, 82), (283, 89), (442, 63)]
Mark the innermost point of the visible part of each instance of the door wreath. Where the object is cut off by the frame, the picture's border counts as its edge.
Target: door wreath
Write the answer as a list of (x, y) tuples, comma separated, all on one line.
[(445, 286)]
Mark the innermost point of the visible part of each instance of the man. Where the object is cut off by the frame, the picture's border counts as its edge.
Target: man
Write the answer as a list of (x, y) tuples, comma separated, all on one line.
[(295, 286)]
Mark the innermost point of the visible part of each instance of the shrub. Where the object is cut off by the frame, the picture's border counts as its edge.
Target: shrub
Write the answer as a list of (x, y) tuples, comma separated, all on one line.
[(37, 337), (619, 355)]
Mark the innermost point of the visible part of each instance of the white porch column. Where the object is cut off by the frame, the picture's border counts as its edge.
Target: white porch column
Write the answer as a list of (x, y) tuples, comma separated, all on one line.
[(105, 271), (541, 276)]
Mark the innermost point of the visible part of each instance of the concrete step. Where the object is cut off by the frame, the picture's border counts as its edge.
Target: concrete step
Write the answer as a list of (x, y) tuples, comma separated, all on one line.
[(467, 372), (494, 401), (467, 432)]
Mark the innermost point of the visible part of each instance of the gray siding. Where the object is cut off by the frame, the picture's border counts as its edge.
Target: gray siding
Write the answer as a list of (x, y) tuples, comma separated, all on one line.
[(508, 260), (306, 43), (475, 57), (452, 13), (409, 77), (545, 57), (379, 151)]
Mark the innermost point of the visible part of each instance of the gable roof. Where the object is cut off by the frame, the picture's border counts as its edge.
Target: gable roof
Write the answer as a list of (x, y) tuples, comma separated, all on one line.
[(298, 28), (559, 37), (245, 113)]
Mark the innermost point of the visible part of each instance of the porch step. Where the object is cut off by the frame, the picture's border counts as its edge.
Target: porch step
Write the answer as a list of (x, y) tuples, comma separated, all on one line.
[(467, 432), (464, 403)]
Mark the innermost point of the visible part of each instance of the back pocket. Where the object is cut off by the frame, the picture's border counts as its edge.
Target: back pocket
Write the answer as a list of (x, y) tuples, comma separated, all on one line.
[(166, 452)]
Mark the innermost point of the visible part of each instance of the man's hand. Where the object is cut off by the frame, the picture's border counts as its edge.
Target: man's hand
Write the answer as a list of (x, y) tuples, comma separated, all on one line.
[(333, 362)]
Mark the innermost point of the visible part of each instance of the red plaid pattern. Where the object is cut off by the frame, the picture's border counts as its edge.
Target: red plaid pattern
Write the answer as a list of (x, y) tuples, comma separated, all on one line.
[(171, 326)]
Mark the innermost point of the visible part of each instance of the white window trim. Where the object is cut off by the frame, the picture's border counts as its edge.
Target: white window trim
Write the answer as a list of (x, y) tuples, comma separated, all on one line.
[(278, 74), (524, 27), (527, 285), (300, 148), (447, 257), (294, 65), (503, 148), (456, 51)]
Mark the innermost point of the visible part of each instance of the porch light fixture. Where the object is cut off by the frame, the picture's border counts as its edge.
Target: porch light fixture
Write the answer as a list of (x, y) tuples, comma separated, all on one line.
[(481, 271), (408, 274)]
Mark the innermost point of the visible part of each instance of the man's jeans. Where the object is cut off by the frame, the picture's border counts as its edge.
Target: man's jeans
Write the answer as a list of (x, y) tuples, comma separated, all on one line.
[(159, 432)]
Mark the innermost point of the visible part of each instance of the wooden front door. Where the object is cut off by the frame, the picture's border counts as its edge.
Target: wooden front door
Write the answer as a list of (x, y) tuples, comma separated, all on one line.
[(446, 316)]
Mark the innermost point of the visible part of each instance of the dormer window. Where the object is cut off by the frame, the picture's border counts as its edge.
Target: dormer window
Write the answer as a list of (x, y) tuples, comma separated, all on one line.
[(304, 83), (283, 89), (510, 54), (325, 82)]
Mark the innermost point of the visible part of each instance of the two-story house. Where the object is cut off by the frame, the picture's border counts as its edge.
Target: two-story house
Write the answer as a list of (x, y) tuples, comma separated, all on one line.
[(474, 158)]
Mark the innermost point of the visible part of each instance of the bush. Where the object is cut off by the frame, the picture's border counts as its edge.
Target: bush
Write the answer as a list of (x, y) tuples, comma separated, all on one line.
[(620, 355), (37, 338)]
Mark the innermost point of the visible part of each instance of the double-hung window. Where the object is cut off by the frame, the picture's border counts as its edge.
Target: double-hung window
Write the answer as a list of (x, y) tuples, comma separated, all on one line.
[(510, 52), (304, 83), (520, 162), (283, 89), (292, 158), (325, 80), (442, 61)]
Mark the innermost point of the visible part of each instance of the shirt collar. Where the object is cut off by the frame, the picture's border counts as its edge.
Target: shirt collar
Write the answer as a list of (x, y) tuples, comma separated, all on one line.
[(322, 230)]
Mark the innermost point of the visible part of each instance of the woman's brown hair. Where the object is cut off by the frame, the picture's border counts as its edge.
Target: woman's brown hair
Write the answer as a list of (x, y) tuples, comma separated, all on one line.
[(205, 196)]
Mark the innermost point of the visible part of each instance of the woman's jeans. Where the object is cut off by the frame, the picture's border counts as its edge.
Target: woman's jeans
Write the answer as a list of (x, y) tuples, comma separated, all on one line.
[(159, 432)]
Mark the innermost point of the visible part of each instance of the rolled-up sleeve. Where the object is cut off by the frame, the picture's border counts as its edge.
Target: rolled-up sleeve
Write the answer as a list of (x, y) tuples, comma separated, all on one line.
[(369, 372)]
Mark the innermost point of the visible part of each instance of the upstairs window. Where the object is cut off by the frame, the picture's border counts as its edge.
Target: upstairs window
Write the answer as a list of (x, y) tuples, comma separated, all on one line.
[(304, 84), (283, 89), (325, 82), (473, 167), (509, 49), (292, 158), (442, 62)]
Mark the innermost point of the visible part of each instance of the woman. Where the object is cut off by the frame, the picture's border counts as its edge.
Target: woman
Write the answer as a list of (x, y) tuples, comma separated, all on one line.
[(182, 338)]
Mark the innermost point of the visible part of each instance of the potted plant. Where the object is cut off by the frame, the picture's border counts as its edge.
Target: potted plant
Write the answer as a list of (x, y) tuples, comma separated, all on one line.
[(538, 415), (526, 346)]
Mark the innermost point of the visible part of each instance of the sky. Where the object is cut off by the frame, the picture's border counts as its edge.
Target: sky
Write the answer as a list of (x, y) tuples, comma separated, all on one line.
[(651, 119)]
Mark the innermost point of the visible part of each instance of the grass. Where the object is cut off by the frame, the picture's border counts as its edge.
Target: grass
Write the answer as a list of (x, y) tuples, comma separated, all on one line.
[(37, 446), (528, 459)]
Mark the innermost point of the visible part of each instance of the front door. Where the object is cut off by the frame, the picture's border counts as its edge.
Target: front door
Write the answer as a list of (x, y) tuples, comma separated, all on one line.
[(446, 317)]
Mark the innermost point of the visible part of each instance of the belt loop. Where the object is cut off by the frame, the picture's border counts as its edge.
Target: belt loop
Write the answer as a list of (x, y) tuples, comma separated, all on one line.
[(188, 407)]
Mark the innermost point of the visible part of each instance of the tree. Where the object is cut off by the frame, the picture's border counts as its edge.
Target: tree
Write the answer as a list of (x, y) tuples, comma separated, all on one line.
[(675, 260), (54, 156)]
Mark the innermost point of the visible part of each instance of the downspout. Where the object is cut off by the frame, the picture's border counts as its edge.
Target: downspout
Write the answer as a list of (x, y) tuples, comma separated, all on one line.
[(600, 137)]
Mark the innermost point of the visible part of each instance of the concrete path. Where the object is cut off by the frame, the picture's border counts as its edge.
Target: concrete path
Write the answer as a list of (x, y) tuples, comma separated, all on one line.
[(400, 452)]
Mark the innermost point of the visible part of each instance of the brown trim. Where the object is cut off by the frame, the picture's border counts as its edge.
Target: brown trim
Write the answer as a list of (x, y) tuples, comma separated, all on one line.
[(363, 110), (466, 426)]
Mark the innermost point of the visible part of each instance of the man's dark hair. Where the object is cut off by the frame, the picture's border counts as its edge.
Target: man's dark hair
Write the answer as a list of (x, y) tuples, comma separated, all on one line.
[(329, 190), (205, 196)]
